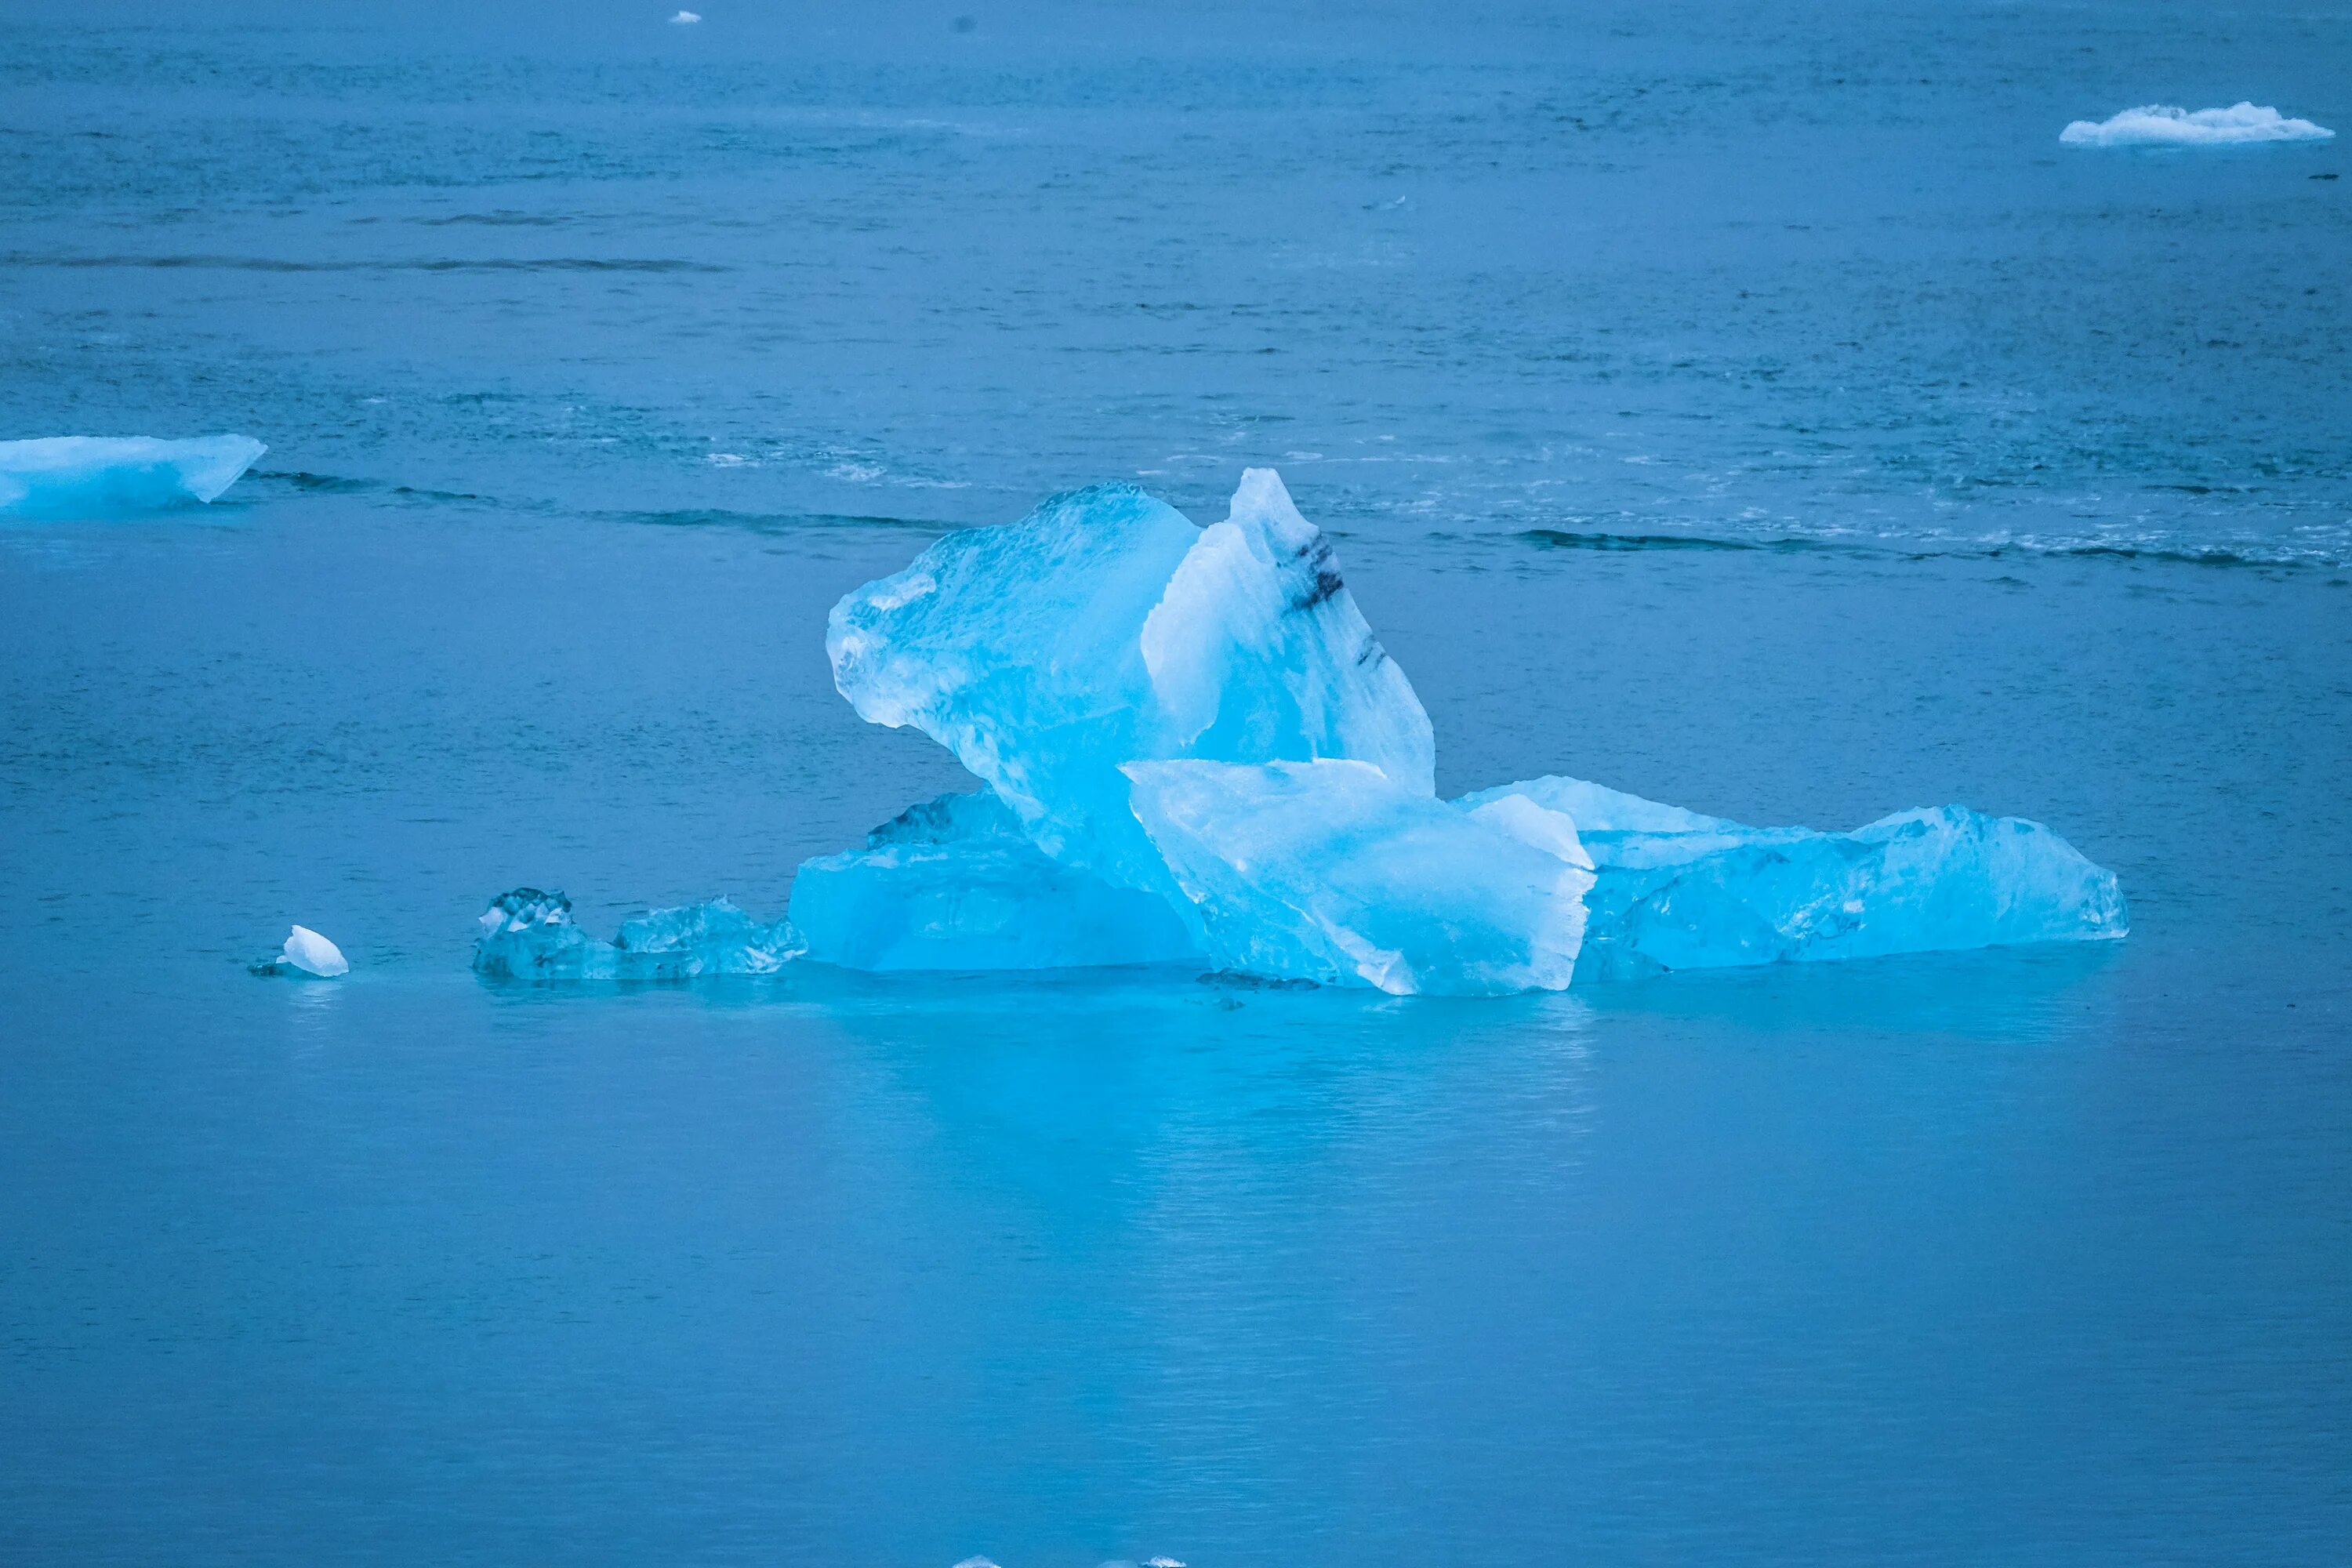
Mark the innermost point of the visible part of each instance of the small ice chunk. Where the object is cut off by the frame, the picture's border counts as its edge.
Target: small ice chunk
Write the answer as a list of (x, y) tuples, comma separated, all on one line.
[(530, 935), (954, 884), (1677, 890), (1106, 628), (685, 18), (1335, 872), (2167, 125), (312, 953), (109, 476)]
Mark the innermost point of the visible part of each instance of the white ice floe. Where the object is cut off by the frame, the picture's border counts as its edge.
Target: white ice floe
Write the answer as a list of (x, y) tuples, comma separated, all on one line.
[(107, 476), (2167, 125), (312, 953), (685, 18)]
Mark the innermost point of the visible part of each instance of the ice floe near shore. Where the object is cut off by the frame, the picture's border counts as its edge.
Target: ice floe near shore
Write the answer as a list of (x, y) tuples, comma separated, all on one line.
[(1194, 751), (2167, 125), (112, 476)]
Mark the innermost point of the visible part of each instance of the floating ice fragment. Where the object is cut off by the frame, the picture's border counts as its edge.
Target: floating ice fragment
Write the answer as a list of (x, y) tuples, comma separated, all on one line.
[(530, 935), (1334, 872), (975, 1562), (312, 953), (685, 18), (954, 884), (306, 953), (1677, 890), (1106, 628), (2167, 125), (107, 476)]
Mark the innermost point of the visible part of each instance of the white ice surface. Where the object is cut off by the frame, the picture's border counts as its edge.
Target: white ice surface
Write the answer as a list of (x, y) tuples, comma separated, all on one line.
[(2167, 125), (312, 953)]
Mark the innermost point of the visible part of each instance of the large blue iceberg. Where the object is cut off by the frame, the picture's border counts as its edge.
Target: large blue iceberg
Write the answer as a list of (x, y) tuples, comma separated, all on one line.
[(1194, 751), (110, 476)]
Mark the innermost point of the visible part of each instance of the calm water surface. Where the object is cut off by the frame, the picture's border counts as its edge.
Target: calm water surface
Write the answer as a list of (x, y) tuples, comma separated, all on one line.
[(1756, 410)]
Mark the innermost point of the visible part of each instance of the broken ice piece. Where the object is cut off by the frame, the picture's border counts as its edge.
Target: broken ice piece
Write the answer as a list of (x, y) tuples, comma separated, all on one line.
[(109, 476), (1332, 871), (1678, 890), (305, 952), (528, 934)]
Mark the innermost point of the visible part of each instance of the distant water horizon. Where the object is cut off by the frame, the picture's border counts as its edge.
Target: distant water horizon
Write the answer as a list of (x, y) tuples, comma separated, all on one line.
[(1809, 276)]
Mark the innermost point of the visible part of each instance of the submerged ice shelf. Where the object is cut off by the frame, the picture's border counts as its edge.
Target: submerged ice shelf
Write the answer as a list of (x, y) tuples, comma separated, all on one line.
[(112, 476), (1194, 751)]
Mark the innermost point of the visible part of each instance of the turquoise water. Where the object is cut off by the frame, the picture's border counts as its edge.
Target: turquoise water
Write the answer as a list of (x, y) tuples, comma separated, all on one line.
[(1760, 412)]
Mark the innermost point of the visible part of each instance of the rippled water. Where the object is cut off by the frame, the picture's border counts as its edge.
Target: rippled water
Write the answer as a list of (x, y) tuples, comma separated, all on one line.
[(1757, 411), (1816, 271)]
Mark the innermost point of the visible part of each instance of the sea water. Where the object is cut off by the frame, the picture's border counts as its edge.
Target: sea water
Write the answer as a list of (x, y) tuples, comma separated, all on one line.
[(1757, 411)]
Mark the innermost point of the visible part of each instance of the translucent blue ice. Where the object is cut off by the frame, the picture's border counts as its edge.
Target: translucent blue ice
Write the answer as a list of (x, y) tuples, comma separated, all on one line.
[(1334, 872), (1195, 751), (1104, 629), (1678, 890), (107, 476), (1194, 748), (530, 935), (954, 883)]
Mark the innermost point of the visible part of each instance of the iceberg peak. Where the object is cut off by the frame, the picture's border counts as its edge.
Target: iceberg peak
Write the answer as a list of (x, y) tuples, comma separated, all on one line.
[(1106, 628)]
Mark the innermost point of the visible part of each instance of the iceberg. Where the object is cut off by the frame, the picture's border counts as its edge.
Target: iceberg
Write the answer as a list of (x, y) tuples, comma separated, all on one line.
[(1193, 750), (954, 884), (107, 476), (1334, 872), (2167, 125), (530, 935), (1674, 890), (1106, 628), (306, 953)]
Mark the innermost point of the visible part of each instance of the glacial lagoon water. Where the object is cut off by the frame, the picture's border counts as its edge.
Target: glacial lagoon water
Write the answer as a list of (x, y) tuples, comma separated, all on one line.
[(1762, 413)]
